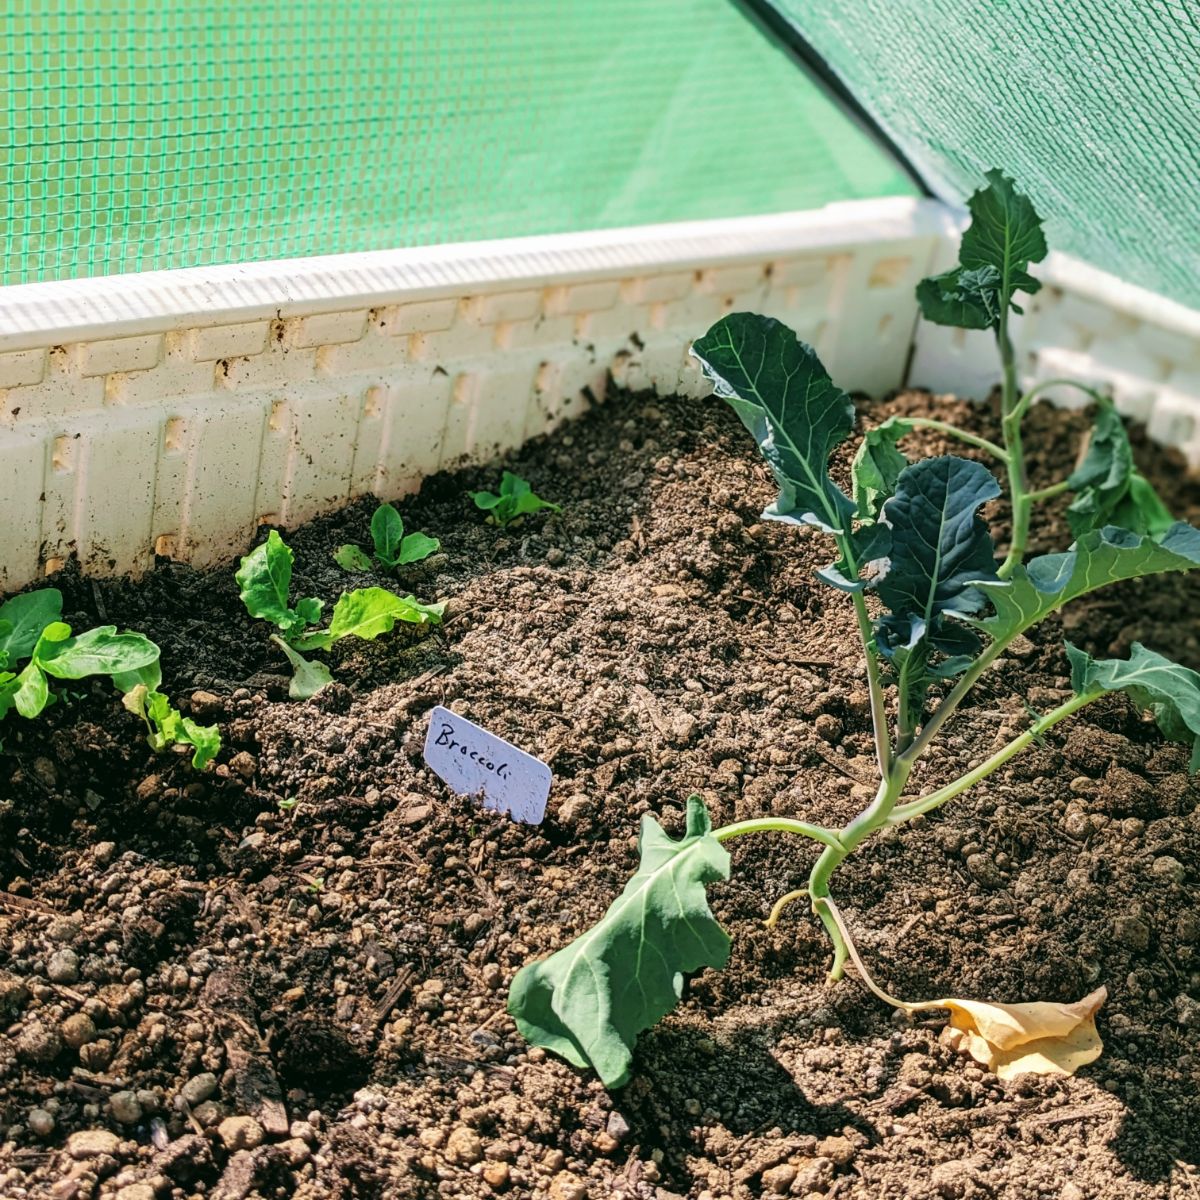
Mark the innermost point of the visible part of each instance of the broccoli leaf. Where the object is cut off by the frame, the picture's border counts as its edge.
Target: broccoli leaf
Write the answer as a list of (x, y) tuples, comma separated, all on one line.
[(387, 532), (590, 1000), (8, 691), (1004, 237), (1170, 691), (308, 677), (23, 618), (1109, 490), (796, 414), (876, 467), (368, 612), (957, 298), (940, 546), (351, 558), (1103, 556)]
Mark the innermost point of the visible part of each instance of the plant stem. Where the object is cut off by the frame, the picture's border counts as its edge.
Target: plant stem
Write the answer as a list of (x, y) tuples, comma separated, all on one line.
[(879, 722), (818, 833), (1055, 489), (873, 817), (962, 435), (1012, 409), (1027, 400), (915, 808)]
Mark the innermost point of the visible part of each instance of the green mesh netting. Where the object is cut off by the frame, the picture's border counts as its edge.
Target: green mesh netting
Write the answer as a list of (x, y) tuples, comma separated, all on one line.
[(186, 132), (1092, 105)]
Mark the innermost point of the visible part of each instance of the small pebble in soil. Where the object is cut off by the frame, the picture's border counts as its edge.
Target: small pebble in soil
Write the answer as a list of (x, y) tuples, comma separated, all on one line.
[(125, 1108), (90, 1143), (63, 966), (240, 1133), (41, 1122), (38, 1043), (199, 1088)]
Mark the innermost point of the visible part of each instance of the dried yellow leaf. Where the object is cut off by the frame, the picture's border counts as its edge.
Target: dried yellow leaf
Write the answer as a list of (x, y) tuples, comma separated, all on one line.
[(1042, 1038)]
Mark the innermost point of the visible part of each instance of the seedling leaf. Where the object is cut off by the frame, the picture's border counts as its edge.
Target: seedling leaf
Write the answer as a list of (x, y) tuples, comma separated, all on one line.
[(794, 411), (1170, 691), (415, 547), (308, 676), (590, 1000), (387, 532), (168, 728), (25, 617), (368, 612), (516, 499), (351, 558), (32, 693), (99, 651), (877, 466)]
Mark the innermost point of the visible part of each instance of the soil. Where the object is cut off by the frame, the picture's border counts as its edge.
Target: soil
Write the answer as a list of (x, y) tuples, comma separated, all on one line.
[(286, 976)]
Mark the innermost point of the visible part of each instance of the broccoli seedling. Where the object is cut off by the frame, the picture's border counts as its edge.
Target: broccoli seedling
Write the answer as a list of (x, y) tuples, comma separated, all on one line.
[(392, 546), (32, 629), (264, 580), (942, 609), (516, 499)]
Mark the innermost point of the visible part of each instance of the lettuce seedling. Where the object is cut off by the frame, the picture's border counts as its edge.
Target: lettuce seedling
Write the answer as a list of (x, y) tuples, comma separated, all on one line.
[(393, 547), (265, 579), (31, 627), (516, 499), (934, 607)]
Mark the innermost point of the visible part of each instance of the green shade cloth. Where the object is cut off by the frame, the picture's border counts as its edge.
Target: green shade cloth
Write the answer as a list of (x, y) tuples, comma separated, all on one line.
[(1093, 106), (183, 133)]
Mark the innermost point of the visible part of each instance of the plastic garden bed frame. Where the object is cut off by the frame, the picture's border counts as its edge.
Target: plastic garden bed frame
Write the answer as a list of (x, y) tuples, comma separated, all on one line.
[(171, 413)]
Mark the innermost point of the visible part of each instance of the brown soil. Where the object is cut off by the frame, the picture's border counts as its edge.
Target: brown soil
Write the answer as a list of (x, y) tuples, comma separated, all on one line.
[(654, 638)]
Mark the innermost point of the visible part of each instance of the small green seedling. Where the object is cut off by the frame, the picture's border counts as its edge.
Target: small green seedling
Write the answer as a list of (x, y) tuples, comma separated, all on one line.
[(32, 629), (934, 610), (393, 547), (288, 804), (516, 499), (265, 579)]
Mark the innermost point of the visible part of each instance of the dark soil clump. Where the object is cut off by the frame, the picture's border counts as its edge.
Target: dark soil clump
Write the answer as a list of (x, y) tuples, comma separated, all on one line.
[(286, 976)]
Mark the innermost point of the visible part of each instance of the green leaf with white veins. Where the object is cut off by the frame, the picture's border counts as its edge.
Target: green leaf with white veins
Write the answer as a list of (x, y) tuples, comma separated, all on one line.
[(1004, 237), (1044, 584), (795, 412), (590, 1000), (368, 612), (1170, 691), (26, 616), (940, 546)]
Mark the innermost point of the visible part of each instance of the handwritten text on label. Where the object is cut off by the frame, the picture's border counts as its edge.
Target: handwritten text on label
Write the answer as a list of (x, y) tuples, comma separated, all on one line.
[(470, 761)]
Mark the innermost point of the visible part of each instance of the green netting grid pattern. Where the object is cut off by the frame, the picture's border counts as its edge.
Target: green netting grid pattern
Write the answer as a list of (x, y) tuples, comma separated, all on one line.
[(189, 133), (1093, 105)]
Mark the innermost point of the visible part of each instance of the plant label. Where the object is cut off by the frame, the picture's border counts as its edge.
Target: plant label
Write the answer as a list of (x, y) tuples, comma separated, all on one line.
[(473, 762)]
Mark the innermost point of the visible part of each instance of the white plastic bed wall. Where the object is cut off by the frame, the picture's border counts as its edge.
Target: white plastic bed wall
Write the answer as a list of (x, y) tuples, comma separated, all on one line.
[(173, 413)]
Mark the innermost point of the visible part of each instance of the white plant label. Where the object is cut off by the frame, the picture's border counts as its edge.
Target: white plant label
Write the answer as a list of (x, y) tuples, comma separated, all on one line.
[(471, 762)]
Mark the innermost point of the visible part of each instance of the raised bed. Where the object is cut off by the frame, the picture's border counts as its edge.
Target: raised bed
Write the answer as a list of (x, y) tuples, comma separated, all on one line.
[(341, 962)]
